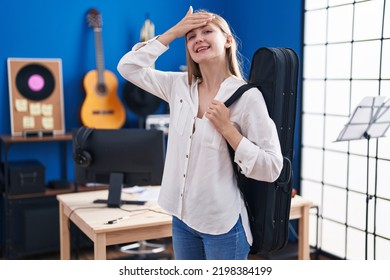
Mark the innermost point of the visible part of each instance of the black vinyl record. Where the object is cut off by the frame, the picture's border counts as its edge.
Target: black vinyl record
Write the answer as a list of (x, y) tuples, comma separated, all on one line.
[(35, 82), (140, 101)]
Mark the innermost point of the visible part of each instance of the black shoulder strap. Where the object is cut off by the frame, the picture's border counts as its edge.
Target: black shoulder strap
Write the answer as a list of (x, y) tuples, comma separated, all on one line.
[(237, 94)]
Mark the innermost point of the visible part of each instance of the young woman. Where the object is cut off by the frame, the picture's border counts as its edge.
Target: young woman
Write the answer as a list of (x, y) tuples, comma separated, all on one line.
[(198, 187)]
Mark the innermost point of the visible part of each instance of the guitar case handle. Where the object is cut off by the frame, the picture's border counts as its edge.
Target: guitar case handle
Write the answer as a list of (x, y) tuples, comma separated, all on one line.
[(286, 173)]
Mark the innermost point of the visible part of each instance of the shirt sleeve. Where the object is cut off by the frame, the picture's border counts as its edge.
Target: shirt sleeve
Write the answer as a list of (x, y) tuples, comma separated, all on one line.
[(258, 153), (136, 66)]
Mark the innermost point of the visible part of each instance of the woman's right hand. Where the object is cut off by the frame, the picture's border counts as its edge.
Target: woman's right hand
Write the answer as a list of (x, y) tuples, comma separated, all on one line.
[(189, 22)]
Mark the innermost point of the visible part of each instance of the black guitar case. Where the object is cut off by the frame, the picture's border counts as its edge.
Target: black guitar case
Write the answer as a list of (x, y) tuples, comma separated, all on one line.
[(274, 71)]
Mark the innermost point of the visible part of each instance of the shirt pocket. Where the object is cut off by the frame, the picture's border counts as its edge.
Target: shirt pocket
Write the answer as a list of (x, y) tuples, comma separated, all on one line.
[(211, 137), (180, 116)]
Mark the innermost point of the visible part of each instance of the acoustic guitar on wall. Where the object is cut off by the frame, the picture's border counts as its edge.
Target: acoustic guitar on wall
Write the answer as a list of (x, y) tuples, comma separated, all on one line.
[(101, 108)]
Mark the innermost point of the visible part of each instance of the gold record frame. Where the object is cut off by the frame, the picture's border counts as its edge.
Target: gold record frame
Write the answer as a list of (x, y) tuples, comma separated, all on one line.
[(32, 116)]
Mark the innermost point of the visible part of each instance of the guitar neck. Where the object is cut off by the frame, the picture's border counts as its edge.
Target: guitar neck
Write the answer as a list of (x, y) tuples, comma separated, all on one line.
[(99, 54)]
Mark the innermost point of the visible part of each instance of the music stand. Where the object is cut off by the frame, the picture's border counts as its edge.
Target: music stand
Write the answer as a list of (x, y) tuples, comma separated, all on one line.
[(371, 119)]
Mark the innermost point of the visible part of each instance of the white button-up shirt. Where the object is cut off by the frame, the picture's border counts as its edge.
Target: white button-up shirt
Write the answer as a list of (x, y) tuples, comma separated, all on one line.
[(198, 184)]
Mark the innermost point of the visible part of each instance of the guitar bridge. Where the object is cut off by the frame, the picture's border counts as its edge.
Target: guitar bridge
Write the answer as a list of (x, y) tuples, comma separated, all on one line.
[(103, 112)]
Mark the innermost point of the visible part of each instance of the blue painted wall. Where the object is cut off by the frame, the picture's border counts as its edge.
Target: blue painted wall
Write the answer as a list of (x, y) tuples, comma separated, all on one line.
[(59, 29)]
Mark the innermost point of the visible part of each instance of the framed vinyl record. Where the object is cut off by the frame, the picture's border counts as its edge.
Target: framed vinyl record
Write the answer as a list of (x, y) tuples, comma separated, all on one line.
[(36, 96)]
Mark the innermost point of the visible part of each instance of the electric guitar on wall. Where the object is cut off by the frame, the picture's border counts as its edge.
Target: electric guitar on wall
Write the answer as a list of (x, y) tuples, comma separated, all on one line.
[(101, 108)]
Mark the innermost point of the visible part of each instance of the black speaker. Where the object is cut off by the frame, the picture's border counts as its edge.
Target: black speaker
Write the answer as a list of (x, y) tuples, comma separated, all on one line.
[(80, 155), (33, 227)]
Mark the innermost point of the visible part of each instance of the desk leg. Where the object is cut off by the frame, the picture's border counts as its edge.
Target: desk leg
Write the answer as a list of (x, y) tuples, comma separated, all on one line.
[(64, 235), (100, 247), (303, 233)]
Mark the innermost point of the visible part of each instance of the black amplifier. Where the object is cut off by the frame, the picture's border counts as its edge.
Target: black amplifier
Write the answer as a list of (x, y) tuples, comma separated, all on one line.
[(25, 177)]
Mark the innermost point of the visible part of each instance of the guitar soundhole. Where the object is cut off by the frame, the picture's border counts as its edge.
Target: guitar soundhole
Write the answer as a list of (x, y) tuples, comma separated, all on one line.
[(101, 88)]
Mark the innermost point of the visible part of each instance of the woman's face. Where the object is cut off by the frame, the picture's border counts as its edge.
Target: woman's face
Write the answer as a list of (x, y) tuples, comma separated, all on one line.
[(206, 43)]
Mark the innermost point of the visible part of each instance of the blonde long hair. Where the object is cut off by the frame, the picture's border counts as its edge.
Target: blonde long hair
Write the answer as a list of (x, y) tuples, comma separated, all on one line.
[(233, 56)]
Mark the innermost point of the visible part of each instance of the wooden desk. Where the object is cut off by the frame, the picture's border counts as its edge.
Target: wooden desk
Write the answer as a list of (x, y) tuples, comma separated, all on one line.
[(300, 210), (142, 224), (91, 219)]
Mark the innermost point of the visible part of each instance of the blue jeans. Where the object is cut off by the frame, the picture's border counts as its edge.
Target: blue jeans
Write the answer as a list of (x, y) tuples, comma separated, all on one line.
[(189, 244)]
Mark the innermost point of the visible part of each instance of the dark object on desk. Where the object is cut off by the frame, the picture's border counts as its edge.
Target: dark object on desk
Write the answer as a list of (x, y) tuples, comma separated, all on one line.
[(123, 202), (59, 184), (274, 71), (25, 177)]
